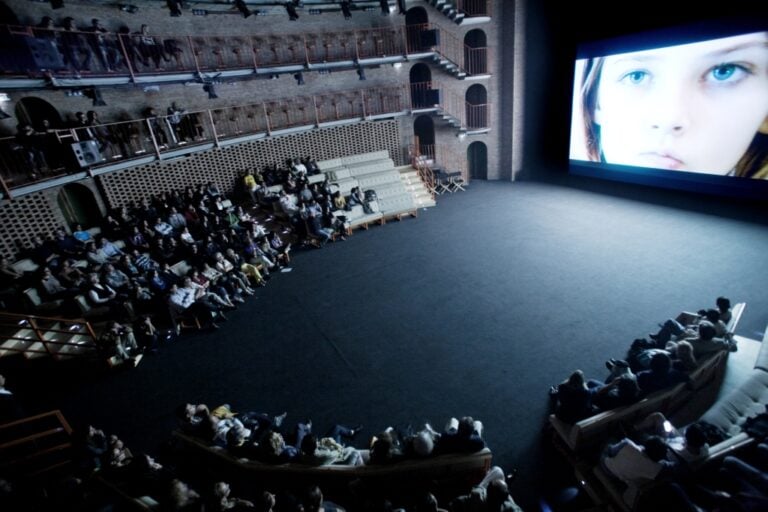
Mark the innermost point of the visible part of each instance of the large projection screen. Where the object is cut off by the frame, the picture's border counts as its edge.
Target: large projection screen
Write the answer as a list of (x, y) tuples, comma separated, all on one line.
[(684, 108)]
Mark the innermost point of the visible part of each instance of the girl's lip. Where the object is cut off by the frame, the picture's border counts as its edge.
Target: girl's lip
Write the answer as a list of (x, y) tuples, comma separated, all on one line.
[(663, 160)]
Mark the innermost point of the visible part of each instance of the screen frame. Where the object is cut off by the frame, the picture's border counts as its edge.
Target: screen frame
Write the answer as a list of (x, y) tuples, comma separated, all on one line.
[(672, 36)]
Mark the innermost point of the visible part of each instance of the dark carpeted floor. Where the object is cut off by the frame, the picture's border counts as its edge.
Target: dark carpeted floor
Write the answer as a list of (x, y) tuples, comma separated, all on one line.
[(476, 307)]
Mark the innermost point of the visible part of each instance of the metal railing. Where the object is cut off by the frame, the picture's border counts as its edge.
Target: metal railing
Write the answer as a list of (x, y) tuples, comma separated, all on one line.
[(440, 157), (477, 116), (473, 8), (35, 445), (37, 336), (476, 60), (37, 52)]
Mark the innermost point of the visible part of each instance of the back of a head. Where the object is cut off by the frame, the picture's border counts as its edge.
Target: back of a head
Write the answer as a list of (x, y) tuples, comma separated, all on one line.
[(723, 304), (695, 438), (655, 448), (627, 387), (684, 352), (661, 363), (576, 379), (712, 315), (308, 444), (314, 499), (466, 426), (497, 494), (706, 330), (426, 503), (422, 444)]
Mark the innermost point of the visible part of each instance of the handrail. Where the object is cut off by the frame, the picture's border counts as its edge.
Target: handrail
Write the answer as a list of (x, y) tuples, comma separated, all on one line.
[(135, 54), (87, 345), (474, 8), (36, 417), (420, 162), (129, 54), (25, 463), (126, 140)]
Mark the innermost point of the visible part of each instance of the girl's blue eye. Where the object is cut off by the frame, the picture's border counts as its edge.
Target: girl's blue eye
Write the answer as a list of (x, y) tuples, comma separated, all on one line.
[(727, 73), (723, 72), (635, 77)]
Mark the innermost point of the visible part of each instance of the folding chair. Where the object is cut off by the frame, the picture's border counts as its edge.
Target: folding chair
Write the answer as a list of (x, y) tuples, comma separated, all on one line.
[(456, 182)]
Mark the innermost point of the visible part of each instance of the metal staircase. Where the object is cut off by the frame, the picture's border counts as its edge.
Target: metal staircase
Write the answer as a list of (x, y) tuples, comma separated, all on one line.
[(449, 10)]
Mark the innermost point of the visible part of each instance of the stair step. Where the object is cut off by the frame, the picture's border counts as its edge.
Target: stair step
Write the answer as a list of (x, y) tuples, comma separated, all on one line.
[(36, 350), (10, 347), (79, 346), (19, 342)]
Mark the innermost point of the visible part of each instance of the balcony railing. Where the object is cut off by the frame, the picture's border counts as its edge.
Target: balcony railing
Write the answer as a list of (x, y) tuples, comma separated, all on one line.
[(477, 116), (474, 8), (56, 153), (35, 52), (59, 152), (476, 60)]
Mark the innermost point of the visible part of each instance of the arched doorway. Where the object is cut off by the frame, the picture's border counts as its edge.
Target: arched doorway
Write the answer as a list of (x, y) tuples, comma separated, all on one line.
[(33, 111), (476, 99), (424, 133), (420, 38), (78, 205), (422, 95), (477, 160), (476, 52)]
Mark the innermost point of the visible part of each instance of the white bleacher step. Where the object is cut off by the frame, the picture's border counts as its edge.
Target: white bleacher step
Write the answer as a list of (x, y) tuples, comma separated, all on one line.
[(17, 344), (22, 335), (36, 350), (79, 346)]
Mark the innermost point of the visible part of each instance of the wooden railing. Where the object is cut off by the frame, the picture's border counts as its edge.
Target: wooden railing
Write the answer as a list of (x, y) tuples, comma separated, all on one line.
[(39, 336), (423, 164), (35, 445)]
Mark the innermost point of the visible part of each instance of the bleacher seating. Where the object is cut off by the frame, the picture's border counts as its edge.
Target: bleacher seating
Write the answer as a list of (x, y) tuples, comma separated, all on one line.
[(371, 171), (706, 378)]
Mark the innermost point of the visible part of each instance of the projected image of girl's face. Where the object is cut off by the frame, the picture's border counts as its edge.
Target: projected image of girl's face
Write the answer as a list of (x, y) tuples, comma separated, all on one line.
[(695, 107)]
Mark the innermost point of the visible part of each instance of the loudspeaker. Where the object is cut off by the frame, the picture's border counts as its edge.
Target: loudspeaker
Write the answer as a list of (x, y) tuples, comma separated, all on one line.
[(429, 38), (44, 54), (87, 153)]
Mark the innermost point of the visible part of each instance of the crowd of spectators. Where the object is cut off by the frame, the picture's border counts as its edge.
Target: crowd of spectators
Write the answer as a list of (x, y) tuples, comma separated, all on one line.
[(660, 362)]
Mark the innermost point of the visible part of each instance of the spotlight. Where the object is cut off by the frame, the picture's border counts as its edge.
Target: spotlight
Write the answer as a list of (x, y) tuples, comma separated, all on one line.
[(345, 9), (175, 7), (361, 73), (299, 78), (209, 88), (243, 8), (128, 8)]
